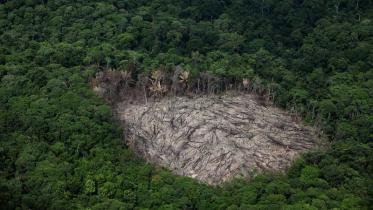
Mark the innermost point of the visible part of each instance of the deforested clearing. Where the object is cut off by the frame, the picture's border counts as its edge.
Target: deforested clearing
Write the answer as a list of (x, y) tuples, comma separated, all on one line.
[(215, 138)]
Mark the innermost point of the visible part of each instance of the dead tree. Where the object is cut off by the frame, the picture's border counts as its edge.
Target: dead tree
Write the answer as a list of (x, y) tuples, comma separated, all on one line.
[(142, 83), (175, 86)]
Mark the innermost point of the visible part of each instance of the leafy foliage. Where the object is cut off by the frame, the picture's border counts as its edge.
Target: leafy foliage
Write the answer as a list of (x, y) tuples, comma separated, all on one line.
[(59, 149)]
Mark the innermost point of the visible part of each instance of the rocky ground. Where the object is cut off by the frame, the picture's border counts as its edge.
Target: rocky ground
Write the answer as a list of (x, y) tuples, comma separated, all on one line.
[(214, 138)]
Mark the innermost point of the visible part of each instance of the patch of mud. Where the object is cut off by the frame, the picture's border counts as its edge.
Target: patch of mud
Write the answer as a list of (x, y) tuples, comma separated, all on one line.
[(215, 138)]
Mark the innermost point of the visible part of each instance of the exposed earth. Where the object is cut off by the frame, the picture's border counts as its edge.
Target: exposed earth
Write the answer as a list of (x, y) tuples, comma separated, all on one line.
[(214, 138)]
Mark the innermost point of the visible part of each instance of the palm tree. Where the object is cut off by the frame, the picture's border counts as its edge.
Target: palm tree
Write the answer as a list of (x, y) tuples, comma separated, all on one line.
[(184, 77), (157, 87)]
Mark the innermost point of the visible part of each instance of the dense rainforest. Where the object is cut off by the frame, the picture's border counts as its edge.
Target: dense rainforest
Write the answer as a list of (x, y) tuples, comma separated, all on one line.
[(60, 149)]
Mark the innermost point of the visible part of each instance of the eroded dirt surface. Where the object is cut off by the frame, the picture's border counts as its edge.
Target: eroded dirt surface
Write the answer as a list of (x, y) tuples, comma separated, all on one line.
[(214, 138)]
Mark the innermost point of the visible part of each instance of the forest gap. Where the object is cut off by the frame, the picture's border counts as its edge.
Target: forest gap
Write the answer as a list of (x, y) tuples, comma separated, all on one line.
[(200, 129), (206, 89)]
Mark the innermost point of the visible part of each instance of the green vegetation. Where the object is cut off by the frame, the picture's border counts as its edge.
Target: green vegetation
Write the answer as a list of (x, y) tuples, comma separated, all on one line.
[(60, 150)]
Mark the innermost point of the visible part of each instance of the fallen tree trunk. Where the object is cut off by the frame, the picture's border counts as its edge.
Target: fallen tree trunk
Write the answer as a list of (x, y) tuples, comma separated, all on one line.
[(215, 138)]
